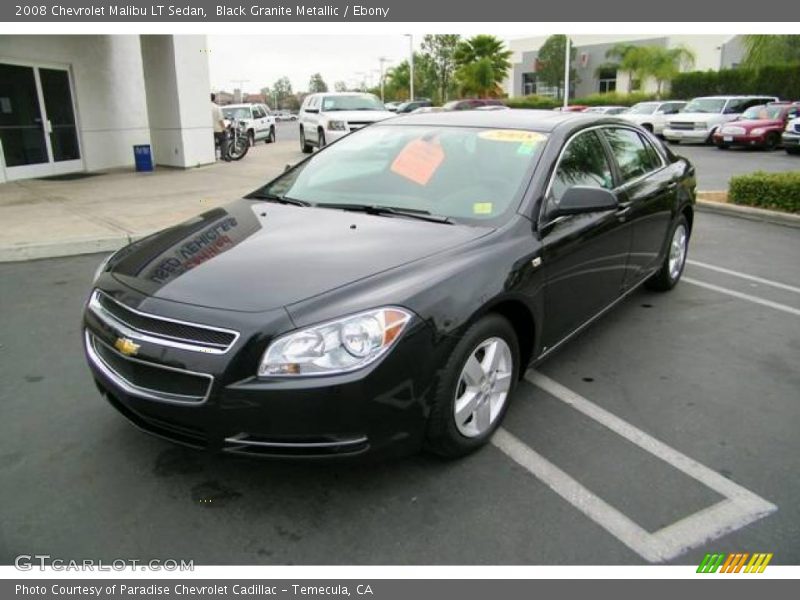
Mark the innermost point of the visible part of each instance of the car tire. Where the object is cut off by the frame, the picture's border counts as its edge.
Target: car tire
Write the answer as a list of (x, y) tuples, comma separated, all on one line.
[(723, 145), (321, 137), (674, 261), (648, 127), (271, 137), (479, 386), (305, 147), (251, 139), (771, 141), (793, 150)]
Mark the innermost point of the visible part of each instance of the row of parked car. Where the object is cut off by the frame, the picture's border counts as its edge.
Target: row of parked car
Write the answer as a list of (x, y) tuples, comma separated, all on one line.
[(726, 121)]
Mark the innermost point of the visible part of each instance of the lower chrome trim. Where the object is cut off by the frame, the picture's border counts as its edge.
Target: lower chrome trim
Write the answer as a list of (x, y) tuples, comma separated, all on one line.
[(135, 390), (241, 440)]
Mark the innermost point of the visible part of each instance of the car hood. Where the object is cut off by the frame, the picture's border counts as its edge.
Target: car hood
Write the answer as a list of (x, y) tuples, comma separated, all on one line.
[(257, 256), (753, 123), (363, 116)]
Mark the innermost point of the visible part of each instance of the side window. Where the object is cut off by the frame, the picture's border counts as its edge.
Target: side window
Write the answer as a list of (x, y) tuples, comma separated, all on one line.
[(635, 157), (737, 106), (258, 113), (583, 162)]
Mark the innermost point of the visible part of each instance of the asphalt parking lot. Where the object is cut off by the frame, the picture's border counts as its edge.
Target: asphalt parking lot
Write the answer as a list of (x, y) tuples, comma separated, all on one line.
[(665, 431)]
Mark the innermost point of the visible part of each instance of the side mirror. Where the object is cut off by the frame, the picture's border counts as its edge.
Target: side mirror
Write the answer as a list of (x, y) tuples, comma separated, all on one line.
[(582, 199), (287, 167)]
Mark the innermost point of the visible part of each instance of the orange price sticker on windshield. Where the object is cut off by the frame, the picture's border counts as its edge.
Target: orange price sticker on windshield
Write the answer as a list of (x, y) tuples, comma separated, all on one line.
[(418, 161)]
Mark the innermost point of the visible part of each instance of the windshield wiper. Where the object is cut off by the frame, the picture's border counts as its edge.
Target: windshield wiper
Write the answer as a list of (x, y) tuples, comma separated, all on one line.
[(376, 209), (275, 198)]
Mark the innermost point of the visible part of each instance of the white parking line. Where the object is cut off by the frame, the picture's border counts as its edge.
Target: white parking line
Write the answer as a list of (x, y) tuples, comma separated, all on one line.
[(776, 284), (739, 508), (762, 301)]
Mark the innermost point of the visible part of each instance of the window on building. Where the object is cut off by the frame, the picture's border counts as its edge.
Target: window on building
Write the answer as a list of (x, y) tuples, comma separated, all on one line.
[(607, 80), (528, 84)]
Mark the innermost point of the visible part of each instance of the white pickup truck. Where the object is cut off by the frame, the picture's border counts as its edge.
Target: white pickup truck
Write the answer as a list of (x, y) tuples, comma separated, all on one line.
[(699, 119)]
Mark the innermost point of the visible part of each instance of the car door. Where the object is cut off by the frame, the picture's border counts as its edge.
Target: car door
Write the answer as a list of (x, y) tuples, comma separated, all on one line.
[(258, 121), (309, 119), (583, 256), (647, 194)]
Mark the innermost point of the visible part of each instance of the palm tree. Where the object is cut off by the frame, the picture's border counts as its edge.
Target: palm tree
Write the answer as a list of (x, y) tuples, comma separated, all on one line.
[(765, 50), (630, 59), (666, 63), (482, 62)]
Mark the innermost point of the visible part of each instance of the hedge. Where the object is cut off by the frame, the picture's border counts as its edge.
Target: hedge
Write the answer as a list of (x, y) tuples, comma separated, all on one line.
[(610, 99), (779, 191), (782, 81)]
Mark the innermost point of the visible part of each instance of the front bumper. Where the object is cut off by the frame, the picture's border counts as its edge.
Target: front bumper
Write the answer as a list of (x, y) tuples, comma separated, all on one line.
[(381, 410), (790, 139), (686, 135), (745, 140)]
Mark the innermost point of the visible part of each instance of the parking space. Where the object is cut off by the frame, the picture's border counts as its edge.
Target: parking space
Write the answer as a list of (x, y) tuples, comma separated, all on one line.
[(666, 430)]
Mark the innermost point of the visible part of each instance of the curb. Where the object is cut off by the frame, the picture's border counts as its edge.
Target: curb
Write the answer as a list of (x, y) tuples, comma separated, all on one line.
[(705, 203), (61, 249)]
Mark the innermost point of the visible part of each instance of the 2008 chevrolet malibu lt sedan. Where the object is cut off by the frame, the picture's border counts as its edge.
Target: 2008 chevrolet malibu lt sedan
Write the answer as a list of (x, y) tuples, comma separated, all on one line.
[(387, 293)]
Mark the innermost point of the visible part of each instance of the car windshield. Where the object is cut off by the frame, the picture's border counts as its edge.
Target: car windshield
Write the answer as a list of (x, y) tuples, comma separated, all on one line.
[(704, 105), (762, 112), (236, 112), (352, 102), (470, 175), (643, 108)]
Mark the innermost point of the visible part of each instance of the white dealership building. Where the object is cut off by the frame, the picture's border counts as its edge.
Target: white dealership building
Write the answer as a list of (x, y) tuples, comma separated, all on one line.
[(596, 72), (79, 103)]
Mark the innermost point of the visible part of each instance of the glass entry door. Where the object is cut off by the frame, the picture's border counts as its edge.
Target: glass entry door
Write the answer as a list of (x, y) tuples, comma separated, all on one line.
[(37, 122)]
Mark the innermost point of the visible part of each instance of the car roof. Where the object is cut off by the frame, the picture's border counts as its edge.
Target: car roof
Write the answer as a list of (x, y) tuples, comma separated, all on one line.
[(734, 96), (533, 120)]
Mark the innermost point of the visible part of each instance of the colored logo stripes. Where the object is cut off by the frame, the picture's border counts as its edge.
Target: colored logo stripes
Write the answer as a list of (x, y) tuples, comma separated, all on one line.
[(735, 563)]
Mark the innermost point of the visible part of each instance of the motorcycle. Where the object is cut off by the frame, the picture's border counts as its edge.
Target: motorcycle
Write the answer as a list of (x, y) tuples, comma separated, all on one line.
[(237, 141)]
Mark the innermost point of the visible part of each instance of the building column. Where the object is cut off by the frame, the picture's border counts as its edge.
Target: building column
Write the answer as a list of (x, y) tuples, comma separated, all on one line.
[(177, 86)]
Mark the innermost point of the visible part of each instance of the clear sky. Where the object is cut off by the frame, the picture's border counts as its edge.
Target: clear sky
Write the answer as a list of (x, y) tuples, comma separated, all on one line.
[(263, 59)]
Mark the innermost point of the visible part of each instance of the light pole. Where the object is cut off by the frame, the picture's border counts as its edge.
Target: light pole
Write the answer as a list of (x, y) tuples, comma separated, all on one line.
[(382, 60), (566, 72), (411, 66)]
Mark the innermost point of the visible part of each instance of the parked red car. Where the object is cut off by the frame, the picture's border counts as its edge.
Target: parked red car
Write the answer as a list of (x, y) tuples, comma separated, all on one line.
[(759, 126)]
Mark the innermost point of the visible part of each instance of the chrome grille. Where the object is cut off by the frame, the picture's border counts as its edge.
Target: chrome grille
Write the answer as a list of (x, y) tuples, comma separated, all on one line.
[(147, 379), (681, 125), (161, 330)]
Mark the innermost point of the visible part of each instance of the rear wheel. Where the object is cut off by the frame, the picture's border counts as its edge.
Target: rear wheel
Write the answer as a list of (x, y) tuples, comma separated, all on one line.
[(674, 260), (475, 388)]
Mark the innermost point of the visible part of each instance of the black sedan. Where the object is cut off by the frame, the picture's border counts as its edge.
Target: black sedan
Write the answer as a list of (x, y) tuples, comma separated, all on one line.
[(387, 293)]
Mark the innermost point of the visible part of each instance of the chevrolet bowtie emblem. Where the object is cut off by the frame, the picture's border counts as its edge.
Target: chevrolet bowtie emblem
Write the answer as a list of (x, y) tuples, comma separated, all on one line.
[(126, 346)]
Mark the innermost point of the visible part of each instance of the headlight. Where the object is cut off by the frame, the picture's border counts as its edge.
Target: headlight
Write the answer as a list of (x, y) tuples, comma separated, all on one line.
[(101, 267), (338, 346), (757, 131), (337, 126), (701, 125)]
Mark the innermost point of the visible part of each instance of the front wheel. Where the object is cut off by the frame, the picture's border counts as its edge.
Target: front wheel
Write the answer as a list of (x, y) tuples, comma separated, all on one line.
[(271, 137), (792, 150), (771, 141), (674, 260), (474, 389), (239, 147), (305, 147)]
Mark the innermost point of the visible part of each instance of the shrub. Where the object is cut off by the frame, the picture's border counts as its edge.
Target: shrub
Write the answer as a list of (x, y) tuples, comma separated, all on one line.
[(782, 81), (767, 190), (610, 99)]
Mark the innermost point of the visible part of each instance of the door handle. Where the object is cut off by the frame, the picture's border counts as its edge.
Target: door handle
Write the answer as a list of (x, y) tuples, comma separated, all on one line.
[(49, 126), (623, 212)]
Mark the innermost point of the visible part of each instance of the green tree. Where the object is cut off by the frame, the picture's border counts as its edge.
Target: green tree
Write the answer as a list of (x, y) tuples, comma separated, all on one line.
[(633, 60), (482, 63), (440, 50), (340, 86), (767, 50), (550, 63), (282, 92), (664, 64), (317, 84), (396, 84)]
